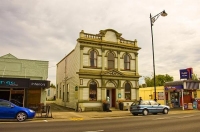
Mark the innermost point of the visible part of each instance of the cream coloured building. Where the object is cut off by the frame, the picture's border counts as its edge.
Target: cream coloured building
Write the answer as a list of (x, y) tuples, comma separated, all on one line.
[(102, 67)]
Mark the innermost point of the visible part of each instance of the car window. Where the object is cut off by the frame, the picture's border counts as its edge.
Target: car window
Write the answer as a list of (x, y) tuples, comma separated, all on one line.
[(144, 103), (135, 103), (153, 103), (4, 104)]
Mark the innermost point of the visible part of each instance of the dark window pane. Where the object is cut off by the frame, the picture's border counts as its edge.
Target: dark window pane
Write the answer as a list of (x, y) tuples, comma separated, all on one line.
[(111, 61), (126, 62), (93, 59), (93, 91), (127, 91)]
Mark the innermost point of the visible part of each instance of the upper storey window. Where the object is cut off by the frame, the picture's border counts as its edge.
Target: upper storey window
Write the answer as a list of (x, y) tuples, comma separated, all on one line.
[(93, 59), (126, 62), (111, 61)]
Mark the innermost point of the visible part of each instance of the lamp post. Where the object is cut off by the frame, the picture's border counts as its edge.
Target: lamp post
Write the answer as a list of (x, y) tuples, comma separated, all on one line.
[(152, 20)]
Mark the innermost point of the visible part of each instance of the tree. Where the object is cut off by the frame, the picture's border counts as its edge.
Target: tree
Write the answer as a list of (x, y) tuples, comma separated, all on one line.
[(160, 80), (194, 77), (52, 85)]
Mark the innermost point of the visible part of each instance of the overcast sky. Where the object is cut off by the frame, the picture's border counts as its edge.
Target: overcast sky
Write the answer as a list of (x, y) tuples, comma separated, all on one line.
[(48, 30)]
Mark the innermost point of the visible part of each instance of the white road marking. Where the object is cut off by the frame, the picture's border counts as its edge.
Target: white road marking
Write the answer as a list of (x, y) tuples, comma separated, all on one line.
[(186, 116), (95, 131), (180, 117)]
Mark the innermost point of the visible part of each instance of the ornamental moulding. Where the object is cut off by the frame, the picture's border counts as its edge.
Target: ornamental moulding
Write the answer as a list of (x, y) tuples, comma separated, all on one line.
[(112, 72)]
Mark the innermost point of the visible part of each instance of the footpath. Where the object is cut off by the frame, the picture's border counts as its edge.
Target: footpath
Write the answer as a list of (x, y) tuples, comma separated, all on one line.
[(61, 113)]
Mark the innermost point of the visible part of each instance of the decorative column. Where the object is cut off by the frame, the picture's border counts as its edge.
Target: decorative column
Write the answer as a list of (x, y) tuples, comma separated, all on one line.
[(81, 57), (103, 96), (136, 64), (118, 60), (102, 59)]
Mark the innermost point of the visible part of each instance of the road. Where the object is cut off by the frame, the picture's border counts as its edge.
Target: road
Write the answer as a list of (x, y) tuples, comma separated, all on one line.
[(151, 123)]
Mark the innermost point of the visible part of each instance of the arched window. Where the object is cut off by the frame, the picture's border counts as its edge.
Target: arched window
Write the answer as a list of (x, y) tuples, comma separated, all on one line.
[(127, 91), (111, 61), (93, 59), (93, 91), (126, 62)]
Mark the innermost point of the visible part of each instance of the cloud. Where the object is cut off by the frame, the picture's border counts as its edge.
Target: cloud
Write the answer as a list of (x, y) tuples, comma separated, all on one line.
[(48, 30)]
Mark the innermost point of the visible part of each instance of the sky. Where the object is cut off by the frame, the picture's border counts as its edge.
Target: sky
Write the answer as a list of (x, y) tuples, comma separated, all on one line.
[(48, 29)]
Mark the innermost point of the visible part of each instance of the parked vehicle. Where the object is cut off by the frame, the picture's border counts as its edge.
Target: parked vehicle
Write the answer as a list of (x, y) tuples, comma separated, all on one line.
[(9, 110), (148, 106)]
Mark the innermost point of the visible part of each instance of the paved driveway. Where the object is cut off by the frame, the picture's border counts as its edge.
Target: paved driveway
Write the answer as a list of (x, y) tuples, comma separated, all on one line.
[(58, 108)]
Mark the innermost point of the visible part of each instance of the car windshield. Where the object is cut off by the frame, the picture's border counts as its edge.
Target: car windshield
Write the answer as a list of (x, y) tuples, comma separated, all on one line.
[(135, 103)]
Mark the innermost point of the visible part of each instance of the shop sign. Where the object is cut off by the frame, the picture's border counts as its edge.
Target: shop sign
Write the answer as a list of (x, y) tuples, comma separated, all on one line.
[(39, 84), (186, 73), (14, 82), (173, 87)]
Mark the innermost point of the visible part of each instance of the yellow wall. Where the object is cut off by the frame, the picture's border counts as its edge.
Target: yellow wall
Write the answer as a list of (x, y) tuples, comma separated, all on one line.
[(198, 94), (146, 92)]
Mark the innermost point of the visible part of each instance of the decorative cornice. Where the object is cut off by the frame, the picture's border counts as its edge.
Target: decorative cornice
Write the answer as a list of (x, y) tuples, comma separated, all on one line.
[(112, 72)]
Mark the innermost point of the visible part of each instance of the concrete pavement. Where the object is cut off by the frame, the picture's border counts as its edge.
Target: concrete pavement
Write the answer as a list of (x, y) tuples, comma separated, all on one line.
[(72, 115)]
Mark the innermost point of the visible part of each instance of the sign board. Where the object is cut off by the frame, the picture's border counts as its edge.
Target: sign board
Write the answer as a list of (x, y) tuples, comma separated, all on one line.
[(14, 83), (173, 87), (76, 88), (186, 73), (119, 95), (39, 84)]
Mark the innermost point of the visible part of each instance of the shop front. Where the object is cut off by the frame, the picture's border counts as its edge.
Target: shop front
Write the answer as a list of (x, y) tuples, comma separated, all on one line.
[(179, 93), (22, 91)]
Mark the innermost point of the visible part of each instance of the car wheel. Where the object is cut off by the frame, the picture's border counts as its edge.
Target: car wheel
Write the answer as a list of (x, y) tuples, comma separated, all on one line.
[(21, 116), (134, 114), (165, 111), (145, 112)]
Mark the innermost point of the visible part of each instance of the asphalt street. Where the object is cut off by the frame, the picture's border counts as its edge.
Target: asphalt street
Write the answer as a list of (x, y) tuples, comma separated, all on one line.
[(151, 123)]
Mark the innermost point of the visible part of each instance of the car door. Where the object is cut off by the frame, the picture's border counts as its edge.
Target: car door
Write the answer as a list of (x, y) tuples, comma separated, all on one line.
[(154, 106), (6, 110)]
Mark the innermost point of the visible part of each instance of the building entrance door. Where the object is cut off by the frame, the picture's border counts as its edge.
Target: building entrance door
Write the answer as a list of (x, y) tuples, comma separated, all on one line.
[(111, 96)]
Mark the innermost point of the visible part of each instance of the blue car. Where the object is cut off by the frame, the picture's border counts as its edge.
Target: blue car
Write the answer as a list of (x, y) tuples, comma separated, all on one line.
[(148, 106), (9, 110)]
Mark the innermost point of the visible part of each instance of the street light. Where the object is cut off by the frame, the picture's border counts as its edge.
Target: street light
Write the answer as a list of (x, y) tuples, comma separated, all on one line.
[(152, 20)]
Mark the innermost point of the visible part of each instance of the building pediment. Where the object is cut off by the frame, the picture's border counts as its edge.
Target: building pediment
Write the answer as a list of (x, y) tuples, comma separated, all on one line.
[(8, 56), (112, 72)]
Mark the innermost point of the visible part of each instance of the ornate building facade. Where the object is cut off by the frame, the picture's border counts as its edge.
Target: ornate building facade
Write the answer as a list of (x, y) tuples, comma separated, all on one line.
[(102, 67)]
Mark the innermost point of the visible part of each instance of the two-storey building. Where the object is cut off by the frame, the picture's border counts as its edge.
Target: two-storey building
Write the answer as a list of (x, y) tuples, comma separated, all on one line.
[(102, 67)]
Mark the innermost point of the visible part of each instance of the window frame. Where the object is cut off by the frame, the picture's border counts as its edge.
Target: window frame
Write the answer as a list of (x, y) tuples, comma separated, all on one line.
[(127, 92), (93, 91), (111, 60), (126, 62), (93, 58)]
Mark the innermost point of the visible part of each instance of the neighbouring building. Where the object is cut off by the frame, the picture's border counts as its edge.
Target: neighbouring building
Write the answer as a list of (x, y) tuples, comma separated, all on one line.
[(173, 93), (23, 81), (102, 67), (51, 94)]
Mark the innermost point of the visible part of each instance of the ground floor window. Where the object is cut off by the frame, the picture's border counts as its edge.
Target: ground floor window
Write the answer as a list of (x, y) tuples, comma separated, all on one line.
[(127, 91), (93, 91)]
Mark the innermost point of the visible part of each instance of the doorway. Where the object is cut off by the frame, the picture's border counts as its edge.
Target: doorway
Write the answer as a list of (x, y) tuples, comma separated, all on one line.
[(111, 94), (17, 97)]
